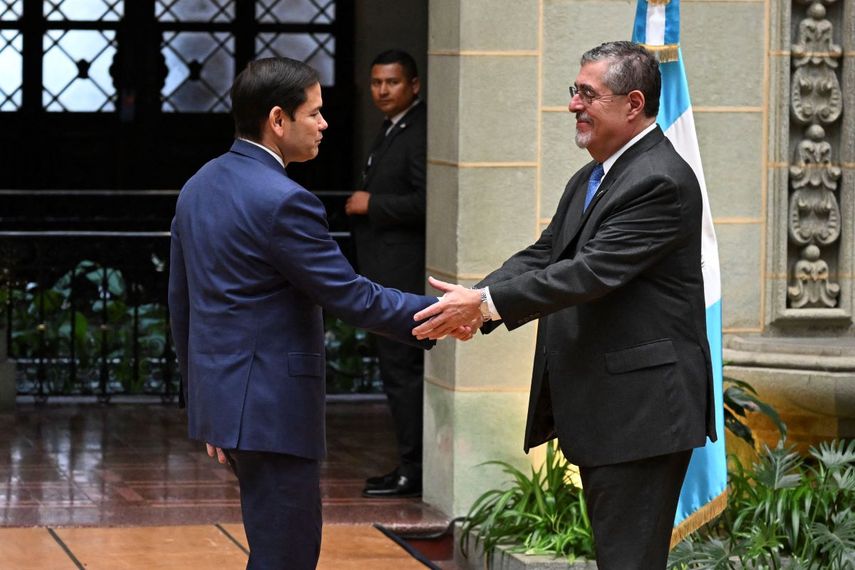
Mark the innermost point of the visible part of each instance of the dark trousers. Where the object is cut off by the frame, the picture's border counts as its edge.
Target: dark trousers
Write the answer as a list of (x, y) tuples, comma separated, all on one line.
[(280, 499), (402, 369), (632, 507)]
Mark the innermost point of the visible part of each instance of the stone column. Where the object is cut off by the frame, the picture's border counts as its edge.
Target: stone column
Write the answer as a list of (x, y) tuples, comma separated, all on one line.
[(482, 206)]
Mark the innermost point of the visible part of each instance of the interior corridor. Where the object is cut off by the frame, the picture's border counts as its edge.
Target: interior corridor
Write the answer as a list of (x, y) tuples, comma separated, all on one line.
[(84, 485)]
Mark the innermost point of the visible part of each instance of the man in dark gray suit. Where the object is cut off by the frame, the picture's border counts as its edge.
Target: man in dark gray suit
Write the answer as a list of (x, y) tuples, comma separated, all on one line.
[(622, 373), (388, 220)]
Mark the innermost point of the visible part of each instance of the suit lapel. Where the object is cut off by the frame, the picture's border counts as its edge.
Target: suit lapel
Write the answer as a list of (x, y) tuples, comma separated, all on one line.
[(387, 142), (573, 216), (575, 219)]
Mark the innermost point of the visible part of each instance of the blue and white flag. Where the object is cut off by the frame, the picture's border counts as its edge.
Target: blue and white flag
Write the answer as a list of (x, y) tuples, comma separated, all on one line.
[(657, 26)]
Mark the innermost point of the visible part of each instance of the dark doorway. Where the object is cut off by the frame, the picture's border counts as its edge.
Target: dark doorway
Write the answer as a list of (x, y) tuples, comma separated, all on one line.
[(106, 108), (112, 94)]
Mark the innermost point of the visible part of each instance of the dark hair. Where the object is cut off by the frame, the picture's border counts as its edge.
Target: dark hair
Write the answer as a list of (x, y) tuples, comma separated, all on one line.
[(400, 57), (632, 67), (264, 84)]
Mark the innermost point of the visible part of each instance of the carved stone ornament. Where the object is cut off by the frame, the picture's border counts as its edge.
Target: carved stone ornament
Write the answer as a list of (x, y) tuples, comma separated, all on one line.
[(816, 94), (812, 287), (813, 167), (814, 211)]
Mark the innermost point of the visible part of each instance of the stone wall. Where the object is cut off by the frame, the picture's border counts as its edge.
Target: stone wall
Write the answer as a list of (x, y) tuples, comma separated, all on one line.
[(501, 150)]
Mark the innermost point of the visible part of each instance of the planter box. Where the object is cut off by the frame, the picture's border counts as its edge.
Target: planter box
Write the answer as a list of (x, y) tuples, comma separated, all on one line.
[(504, 560)]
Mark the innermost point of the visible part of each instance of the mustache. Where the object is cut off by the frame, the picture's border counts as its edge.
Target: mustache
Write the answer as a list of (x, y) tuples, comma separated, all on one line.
[(583, 116)]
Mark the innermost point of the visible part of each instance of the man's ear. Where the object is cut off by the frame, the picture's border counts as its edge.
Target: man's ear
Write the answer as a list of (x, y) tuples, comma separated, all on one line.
[(416, 85), (636, 104), (277, 119)]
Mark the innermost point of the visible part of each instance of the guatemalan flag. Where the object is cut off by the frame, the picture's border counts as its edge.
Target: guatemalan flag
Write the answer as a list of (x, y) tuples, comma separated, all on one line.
[(657, 26)]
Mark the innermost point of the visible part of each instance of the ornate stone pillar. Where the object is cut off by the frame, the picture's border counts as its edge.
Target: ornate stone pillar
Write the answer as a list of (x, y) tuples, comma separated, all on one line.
[(814, 217), (804, 360)]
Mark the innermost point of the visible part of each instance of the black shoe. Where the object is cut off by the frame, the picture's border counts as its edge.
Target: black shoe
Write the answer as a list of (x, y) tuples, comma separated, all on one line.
[(381, 481), (403, 486)]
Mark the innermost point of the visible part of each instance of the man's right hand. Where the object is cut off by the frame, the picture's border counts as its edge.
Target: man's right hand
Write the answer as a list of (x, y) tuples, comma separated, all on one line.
[(457, 313), (357, 204)]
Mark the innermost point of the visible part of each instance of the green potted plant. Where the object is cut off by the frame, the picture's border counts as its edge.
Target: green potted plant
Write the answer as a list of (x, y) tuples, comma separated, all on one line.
[(540, 515), (543, 514), (785, 512)]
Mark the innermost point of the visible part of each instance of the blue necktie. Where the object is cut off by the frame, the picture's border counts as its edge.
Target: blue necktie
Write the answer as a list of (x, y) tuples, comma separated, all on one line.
[(593, 184)]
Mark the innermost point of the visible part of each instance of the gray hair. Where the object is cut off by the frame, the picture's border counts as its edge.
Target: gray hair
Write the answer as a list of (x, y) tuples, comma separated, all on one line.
[(631, 68)]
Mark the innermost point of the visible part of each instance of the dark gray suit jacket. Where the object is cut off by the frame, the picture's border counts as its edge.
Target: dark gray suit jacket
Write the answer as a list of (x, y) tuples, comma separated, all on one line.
[(390, 240), (622, 369)]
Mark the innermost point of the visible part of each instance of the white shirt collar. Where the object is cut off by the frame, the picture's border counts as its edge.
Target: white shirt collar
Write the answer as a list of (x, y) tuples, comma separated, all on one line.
[(270, 152), (400, 115), (610, 161)]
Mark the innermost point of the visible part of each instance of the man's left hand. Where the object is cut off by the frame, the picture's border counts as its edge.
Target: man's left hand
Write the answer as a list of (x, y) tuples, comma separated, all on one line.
[(357, 204), (221, 457)]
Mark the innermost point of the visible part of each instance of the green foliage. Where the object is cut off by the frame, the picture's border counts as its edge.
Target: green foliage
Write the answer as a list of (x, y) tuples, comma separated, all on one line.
[(739, 399), (88, 311), (350, 367), (91, 311), (543, 513), (786, 512)]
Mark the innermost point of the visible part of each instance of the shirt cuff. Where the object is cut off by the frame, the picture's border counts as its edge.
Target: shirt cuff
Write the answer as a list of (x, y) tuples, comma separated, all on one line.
[(494, 314)]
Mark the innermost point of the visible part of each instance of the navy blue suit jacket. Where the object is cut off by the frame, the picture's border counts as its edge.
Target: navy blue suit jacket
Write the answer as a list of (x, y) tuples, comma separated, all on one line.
[(252, 267)]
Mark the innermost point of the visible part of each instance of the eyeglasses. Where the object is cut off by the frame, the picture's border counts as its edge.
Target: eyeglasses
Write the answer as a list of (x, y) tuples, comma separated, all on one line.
[(588, 96)]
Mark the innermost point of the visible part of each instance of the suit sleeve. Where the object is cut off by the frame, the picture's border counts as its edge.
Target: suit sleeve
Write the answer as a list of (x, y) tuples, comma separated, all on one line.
[(639, 232), (179, 305), (304, 252), (405, 205)]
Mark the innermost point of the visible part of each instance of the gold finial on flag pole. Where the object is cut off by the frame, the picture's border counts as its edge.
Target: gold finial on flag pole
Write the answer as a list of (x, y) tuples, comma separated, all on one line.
[(665, 53)]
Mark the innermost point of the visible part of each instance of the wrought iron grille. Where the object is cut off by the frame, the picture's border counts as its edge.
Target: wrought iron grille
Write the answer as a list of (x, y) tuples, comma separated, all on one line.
[(295, 11), (86, 313), (88, 63), (195, 11), (318, 50), (11, 62), (201, 68), (78, 48), (76, 73), (11, 10), (84, 10)]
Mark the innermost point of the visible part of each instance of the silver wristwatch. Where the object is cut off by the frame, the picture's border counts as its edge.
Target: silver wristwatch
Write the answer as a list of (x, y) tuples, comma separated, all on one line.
[(484, 306)]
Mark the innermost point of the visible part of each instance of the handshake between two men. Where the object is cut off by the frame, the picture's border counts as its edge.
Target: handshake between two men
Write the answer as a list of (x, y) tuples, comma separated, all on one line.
[(460, 312)]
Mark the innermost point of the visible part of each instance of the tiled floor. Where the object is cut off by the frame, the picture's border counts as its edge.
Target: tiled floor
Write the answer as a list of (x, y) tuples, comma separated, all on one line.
[(193, 547), (66, 466)]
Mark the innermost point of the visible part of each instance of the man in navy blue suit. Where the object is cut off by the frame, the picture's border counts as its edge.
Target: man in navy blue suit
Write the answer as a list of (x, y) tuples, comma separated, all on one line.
[(252, 268)]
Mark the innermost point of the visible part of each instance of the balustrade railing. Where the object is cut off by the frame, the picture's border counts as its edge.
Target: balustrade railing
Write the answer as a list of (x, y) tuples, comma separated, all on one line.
[(86, 310)]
